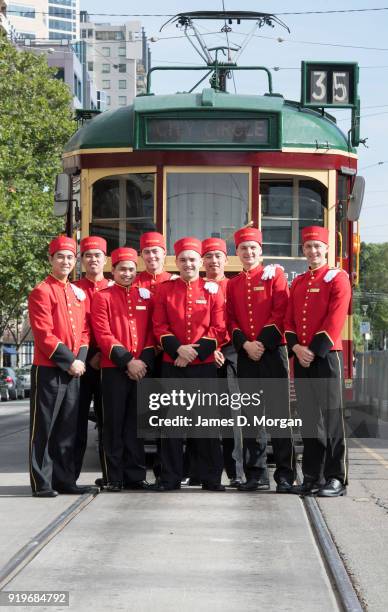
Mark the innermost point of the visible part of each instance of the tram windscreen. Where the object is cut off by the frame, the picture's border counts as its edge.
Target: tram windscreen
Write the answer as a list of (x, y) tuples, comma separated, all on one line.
[(205, 204), (288, 205)]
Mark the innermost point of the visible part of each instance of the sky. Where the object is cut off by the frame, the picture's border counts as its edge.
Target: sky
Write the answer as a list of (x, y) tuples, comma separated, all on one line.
[(355, 37)]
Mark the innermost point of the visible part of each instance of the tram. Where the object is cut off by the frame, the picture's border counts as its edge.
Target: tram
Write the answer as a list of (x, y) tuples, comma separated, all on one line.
[(207, 162)]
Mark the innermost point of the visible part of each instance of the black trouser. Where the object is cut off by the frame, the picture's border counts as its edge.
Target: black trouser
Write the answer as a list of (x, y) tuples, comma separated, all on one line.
[(207, 451), (53, 423), (272, 365), (157, 373), (123, 451), (227, 443), (190, 468), (90, 389), (321, 404)]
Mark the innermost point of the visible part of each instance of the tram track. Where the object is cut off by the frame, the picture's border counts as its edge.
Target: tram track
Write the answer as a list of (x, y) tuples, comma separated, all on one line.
[(335, 568), (30, 550), (13, 433), (340, 582)]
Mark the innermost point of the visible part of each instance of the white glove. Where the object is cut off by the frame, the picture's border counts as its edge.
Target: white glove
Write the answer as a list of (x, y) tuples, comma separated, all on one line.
[(331, 274), (78, 292), (110, 282), (211, 287), (174, 276), (144, 293)]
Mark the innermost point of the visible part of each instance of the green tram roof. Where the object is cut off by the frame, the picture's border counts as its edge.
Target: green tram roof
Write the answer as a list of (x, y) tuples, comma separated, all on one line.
[(302, 127)]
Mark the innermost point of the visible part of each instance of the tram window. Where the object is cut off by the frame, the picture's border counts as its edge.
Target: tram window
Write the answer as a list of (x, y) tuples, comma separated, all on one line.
[(123, 208), (341, 215), (287, 206), (206, 204), (276, 209)]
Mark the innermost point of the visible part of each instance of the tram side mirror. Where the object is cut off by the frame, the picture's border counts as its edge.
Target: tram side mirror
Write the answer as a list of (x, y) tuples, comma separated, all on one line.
[(356, 198), (62, 194)]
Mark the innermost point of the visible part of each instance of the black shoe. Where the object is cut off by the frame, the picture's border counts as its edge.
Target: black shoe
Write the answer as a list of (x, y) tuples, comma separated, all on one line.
[(212, 486), (45, 493), (253, 484), (140, 485), (113, 487), (190, 482), (309, 487), (284, 486), (159, 487), (100, 482), (77, 489), (333, 488), (234, 483)]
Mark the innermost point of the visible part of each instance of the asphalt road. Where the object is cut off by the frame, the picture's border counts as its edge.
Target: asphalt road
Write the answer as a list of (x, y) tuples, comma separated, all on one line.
[(200, 550)]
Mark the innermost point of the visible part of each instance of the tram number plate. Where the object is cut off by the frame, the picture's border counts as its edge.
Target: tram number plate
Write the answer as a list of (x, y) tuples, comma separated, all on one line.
[(330, 84), (340, 87), (208, 131)]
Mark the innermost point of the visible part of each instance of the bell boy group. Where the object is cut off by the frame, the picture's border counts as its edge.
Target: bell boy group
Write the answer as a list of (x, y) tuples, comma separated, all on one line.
[(95, 339)]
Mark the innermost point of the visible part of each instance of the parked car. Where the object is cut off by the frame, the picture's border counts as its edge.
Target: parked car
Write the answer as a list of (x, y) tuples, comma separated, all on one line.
[(11, 386), (24, 374)]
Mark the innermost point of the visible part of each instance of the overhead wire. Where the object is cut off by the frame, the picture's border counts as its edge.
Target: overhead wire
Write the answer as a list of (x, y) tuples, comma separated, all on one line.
[(326, 12)]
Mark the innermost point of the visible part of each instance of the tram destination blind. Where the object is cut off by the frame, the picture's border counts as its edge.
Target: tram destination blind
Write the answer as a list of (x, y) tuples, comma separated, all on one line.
[(217, 131)]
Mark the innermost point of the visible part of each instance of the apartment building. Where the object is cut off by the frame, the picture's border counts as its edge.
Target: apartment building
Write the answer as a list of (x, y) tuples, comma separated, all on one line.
[(45, 19), (117, 57)]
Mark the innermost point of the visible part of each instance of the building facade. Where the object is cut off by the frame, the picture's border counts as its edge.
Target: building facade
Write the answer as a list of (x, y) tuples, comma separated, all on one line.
[(45, 19), (117, 58)]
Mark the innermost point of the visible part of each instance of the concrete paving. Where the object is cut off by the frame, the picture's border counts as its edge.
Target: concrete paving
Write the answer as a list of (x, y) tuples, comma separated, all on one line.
[(193, 550), (188, 550)]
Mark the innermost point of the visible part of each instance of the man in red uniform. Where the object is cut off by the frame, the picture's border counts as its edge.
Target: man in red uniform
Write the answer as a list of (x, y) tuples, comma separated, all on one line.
[(58, 322), (153, 252), (189, 324), (256, 305), (121, 318), (318, 305), (93, 256), (214, 254)]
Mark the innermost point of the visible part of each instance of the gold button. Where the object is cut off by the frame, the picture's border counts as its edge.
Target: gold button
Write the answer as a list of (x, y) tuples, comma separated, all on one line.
[(304, 318)]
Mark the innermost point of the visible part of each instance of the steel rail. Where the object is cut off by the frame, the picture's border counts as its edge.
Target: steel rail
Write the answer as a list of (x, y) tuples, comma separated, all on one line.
[(344, 589), (35, 544)]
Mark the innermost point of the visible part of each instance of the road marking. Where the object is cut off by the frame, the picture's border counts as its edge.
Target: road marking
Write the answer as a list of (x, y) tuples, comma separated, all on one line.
[(373, 454)]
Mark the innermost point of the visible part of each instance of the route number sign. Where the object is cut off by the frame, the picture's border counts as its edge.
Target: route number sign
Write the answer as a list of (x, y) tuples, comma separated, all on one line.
[(330, 84)]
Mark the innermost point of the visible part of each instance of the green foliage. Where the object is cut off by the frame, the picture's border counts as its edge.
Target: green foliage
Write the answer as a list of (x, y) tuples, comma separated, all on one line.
[(373, 293), (35, 123)]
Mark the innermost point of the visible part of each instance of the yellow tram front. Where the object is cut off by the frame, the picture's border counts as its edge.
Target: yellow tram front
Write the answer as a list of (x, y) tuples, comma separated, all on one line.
[(208, 163)]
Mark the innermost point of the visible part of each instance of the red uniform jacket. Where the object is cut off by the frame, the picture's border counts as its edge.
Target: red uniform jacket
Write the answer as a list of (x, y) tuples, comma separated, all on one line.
[(90, 288), (58, 322), (317, 310), (223, 284), (121, 321), (187, 313), (256, 308), (151, 281)]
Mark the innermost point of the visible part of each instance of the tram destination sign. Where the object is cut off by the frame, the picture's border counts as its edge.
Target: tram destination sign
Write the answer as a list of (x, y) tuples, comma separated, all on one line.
[(329, 84), (211, 132)]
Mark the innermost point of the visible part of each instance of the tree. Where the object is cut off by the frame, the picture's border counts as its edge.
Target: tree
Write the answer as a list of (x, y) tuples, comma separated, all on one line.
[(373, 293), (35, 122)]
